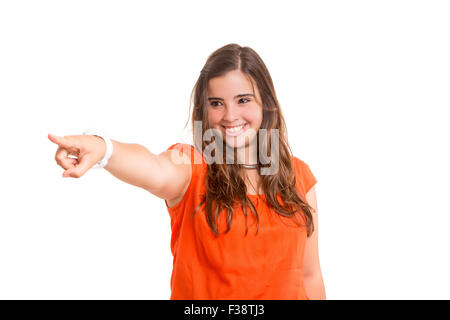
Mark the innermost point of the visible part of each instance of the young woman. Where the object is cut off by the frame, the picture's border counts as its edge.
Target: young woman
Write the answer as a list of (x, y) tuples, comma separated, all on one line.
[(237, 233)]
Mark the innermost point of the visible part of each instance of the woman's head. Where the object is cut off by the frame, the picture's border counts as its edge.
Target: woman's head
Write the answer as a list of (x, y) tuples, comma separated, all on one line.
[(228, 72), (234, 107)]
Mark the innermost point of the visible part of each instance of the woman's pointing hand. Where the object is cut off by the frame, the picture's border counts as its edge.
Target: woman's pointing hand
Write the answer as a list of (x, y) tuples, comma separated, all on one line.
[(88, 149)]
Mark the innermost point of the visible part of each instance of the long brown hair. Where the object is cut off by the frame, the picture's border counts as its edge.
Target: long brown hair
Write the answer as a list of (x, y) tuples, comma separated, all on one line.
[(224, 182)]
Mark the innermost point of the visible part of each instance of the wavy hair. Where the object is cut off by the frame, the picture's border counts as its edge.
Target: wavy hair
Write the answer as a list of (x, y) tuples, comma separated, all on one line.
[(224, 183)]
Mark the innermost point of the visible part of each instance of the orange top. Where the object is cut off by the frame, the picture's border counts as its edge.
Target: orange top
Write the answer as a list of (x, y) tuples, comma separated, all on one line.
[(266, 266)]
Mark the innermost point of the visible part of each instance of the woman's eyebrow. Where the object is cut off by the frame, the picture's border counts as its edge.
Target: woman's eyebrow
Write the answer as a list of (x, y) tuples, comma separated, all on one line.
[(238, 96)]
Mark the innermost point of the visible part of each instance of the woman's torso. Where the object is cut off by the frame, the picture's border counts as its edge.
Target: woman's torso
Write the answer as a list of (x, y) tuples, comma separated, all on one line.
[(235, 265)]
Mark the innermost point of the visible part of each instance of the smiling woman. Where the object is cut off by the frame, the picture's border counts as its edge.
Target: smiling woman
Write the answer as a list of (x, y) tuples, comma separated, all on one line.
[(234, 96)]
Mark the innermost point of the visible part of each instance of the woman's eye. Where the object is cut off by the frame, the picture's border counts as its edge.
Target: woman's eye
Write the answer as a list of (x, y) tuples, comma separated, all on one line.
[(218, 103), (213, 103)]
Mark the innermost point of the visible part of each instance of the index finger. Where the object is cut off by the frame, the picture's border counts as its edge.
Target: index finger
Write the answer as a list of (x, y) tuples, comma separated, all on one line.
[(61, 141)]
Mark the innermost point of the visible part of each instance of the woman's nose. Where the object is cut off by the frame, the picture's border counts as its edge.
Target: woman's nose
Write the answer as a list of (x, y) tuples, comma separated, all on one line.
[(231, 113)]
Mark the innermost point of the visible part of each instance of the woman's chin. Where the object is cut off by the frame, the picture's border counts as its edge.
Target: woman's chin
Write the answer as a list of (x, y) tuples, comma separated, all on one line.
[(235, 145), (234, 142)]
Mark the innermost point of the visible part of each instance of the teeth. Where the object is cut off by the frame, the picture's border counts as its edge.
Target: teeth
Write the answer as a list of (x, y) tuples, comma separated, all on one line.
[(235, 129)]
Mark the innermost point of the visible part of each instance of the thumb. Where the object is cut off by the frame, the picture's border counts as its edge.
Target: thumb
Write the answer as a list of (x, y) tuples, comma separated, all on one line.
[(85, 163)]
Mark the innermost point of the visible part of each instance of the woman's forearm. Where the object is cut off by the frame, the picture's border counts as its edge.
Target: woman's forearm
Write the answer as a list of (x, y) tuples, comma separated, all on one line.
[(314, 286), (136, 165)]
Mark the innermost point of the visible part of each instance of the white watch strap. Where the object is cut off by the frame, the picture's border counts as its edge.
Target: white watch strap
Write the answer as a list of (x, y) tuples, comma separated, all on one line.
[(109, 147)]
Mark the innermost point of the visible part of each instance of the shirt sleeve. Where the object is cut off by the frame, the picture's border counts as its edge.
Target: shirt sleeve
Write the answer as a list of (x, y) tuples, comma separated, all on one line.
[(306, 178), (189, 150), (196, 166)]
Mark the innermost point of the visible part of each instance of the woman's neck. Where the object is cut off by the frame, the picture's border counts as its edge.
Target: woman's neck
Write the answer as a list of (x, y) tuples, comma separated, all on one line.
[(247, 156)]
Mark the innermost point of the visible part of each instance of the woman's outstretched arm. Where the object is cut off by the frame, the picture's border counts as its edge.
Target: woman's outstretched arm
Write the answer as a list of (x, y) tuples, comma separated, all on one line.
[(166, 175), (159, 174)]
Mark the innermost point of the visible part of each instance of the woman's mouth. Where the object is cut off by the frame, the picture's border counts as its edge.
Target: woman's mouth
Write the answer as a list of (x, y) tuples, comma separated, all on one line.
[(235, 131)]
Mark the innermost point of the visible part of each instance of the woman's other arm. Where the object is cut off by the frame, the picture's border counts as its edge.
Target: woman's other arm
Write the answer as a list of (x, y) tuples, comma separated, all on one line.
[(312, 273)]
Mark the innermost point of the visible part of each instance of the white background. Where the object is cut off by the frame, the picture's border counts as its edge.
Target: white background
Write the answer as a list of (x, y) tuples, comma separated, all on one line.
[(363, 85)]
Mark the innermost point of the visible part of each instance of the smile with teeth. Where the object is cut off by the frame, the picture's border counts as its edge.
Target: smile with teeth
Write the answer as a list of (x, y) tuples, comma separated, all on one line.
[(234, 131)]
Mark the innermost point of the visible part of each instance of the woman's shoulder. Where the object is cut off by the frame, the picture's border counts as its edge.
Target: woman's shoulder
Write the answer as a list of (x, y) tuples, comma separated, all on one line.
[(189, 162), (305, 176), (187, 152), (298, 162)]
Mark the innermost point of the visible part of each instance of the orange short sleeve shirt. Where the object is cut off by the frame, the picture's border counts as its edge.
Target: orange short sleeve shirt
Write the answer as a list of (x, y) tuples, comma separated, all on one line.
[(233, 266)]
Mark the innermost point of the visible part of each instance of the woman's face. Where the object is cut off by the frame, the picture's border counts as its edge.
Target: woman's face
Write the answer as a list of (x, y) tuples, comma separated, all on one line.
[(234, 109)]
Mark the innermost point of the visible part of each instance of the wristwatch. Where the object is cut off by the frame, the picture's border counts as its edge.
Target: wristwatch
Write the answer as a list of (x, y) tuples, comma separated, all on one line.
[(109, 147)]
